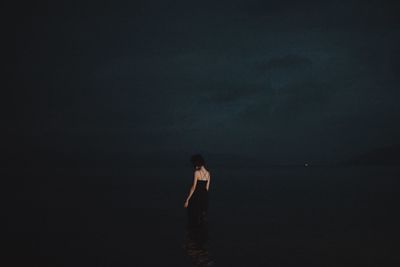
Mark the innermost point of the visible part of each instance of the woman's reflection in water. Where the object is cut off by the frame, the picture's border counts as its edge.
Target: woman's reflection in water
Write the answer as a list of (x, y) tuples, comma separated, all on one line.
[(196, 245)]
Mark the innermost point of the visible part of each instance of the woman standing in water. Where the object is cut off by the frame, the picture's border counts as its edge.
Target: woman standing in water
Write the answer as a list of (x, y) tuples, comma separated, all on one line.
[(197, 200)]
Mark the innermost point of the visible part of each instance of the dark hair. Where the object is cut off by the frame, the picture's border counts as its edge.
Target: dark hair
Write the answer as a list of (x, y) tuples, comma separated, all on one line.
[(197, 161)]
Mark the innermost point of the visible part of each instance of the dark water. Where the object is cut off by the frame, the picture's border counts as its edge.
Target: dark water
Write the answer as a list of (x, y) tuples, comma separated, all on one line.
[(314, 216)]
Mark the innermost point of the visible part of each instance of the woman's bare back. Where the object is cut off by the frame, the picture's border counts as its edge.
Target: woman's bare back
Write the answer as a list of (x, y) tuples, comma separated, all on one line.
[(204, 175)]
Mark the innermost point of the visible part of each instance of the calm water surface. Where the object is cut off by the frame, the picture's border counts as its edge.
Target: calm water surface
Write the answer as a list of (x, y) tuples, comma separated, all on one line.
[(297, 216)]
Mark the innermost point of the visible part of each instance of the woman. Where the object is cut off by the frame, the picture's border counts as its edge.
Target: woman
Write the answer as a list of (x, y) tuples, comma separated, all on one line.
[(197, 200)]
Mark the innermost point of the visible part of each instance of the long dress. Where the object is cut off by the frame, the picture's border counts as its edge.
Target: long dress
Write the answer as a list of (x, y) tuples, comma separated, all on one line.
[(198, 204)]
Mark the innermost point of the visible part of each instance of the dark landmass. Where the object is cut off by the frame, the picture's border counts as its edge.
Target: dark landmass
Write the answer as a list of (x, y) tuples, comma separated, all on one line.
[(47, 159), (389, 155)]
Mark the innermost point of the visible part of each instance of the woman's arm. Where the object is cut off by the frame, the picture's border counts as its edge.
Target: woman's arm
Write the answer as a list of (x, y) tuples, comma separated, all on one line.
[(191, 189), (208, 181)]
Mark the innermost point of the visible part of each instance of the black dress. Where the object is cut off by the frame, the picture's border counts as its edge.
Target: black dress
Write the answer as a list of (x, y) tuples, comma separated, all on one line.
[(198, 204)]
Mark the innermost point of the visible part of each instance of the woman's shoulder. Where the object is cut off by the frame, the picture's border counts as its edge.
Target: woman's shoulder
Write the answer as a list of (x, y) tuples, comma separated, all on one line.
[(199, 172)]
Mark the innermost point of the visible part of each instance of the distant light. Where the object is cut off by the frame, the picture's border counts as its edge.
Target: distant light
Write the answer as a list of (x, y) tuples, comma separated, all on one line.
[(306, 164)]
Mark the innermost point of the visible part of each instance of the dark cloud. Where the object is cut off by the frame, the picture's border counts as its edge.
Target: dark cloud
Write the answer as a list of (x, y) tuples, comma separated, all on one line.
[(231, 93), (286, 62), (226, 76)]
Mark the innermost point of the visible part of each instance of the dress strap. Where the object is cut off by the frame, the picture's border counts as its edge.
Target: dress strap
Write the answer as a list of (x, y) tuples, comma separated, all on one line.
[(204, 177)]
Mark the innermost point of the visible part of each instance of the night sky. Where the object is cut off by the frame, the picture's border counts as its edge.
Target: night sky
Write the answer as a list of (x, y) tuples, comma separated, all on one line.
[(282, 81)]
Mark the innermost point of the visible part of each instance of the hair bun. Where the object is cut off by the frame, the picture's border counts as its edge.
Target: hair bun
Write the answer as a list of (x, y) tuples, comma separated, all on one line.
[(197, 161)]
